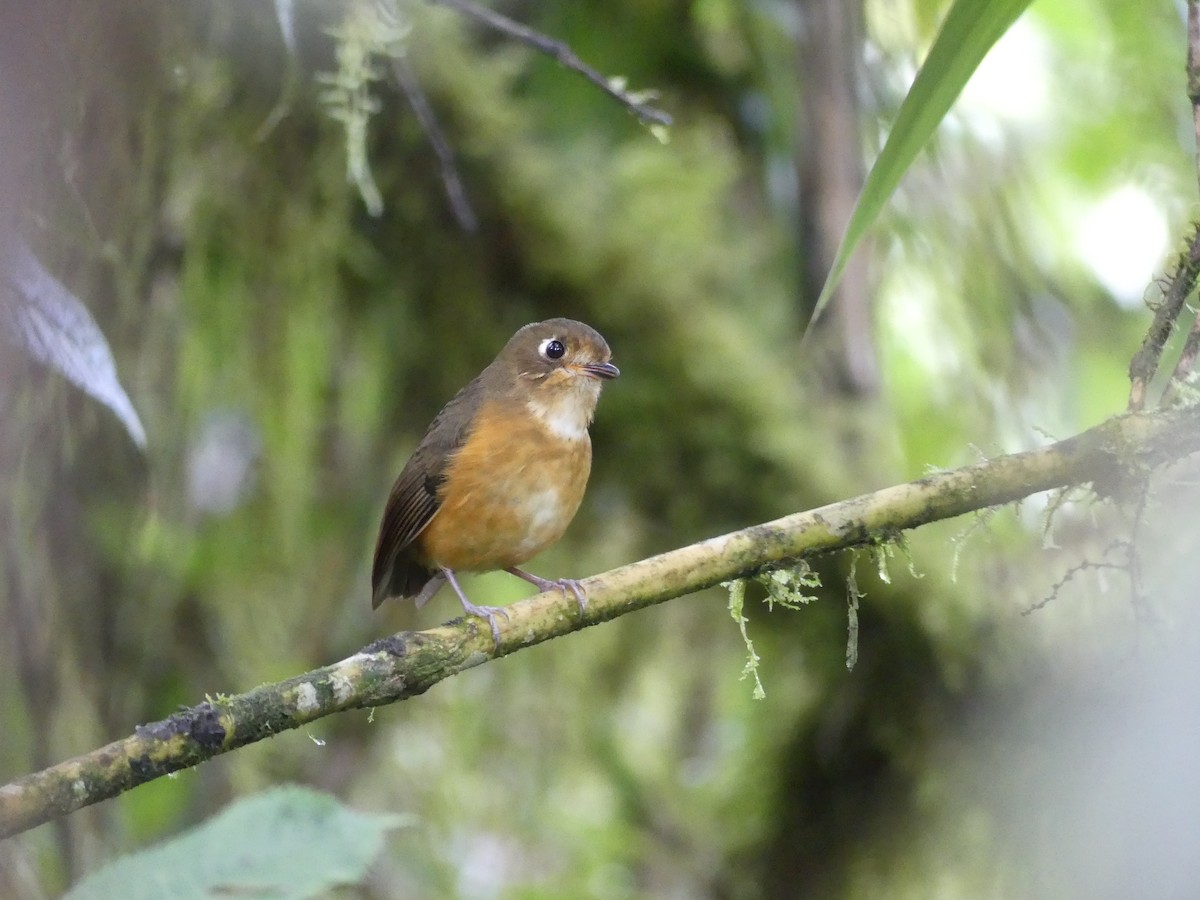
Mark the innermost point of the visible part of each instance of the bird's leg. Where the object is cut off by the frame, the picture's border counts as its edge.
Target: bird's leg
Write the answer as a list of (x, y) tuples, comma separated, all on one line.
[(484, 612), (545, 584)]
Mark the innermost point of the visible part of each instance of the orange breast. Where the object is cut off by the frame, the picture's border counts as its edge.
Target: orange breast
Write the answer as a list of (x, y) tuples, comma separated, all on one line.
[(510, 491)]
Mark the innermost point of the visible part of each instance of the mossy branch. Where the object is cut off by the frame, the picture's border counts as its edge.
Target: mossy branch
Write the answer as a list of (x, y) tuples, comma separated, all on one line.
[(1112, 455)]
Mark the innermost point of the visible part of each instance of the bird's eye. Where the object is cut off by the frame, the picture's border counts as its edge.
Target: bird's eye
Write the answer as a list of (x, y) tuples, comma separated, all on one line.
[(552, 348)]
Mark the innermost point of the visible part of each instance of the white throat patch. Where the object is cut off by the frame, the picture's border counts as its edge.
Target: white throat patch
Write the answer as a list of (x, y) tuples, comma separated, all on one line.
[(570, 413)]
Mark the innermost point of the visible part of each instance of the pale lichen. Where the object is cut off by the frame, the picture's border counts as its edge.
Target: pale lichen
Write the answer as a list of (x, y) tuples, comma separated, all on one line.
[(737, 599), (853, 596), (306, 699), (368, 34), (787, 586)]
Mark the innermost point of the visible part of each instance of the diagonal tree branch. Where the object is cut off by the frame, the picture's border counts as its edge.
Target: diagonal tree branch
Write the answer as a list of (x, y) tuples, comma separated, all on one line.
[(1110, 456), (455, 193), (1182, 280), (563, 54), (1179, 285)]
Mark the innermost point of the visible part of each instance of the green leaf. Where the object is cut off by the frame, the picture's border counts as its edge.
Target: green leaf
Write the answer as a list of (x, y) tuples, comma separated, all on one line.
[(967, 34), (287, 844)]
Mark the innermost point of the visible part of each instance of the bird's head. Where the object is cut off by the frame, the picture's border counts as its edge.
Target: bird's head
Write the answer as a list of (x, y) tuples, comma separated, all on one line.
[(556, 368)]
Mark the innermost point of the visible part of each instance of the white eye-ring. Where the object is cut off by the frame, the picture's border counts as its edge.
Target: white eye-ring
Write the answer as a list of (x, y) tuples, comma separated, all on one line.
[(552, 348)]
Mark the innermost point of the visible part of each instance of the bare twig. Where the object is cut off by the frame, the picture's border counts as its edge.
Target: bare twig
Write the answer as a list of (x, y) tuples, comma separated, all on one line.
[(1078, 569), (561, 53), (406, 665), (441, 147), (1179, 286)]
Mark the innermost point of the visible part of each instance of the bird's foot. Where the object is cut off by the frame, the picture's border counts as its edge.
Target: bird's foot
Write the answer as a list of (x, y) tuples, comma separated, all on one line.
[(546, 584), (489, 613), (483, 612)]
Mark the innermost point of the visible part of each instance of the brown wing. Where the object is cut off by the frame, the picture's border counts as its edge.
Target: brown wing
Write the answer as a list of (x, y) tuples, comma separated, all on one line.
[(414, 500)]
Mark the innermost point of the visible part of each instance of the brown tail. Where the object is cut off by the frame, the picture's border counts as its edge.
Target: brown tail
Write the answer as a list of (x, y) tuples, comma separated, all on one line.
[(402, 580)]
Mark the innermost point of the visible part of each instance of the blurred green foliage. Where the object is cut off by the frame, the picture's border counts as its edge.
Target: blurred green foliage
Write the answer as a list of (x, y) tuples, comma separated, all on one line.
[(259, 314), (290, 842)]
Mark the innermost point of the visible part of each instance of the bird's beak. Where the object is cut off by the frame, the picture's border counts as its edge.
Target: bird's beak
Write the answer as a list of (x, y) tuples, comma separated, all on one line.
[(605, 370)]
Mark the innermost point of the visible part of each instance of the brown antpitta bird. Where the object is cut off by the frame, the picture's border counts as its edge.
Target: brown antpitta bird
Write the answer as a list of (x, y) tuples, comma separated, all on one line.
[(500, 472)]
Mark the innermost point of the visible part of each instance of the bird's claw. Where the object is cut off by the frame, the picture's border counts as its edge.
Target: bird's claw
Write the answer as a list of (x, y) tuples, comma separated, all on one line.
[(565, 585), (489, 613), (546, 584), (570, 584)]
